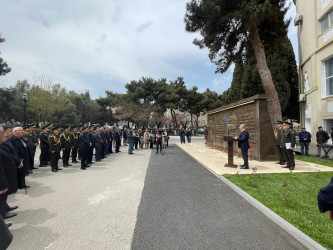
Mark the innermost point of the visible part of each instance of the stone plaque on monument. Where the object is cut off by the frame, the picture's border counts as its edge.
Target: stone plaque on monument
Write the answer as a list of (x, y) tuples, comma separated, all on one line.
[(253, 112)]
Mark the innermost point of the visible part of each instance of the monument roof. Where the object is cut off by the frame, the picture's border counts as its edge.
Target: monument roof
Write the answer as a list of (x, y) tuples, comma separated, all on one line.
[(238, 103)]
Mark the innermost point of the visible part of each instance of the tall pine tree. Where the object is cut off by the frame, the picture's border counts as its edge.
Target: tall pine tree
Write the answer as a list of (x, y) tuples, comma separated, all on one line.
[(4, 69)]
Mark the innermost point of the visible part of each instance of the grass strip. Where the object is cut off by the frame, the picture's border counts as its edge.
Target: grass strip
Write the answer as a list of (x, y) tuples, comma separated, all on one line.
[(293, 196), (315, 160)]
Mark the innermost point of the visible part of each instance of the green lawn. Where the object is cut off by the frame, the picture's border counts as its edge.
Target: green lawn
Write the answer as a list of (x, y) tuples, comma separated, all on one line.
[(293, 197), (315, 160)]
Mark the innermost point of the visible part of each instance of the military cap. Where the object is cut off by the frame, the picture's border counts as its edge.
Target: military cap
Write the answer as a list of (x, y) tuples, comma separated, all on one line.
[(65, 126), (286, 123), (55, 128), (325, 198), (75, 126), (25, 128), (279, 122), (46, 126), (32, 125)]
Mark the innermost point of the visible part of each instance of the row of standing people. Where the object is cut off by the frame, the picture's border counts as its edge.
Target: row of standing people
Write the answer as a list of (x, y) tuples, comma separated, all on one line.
[(17, 151)]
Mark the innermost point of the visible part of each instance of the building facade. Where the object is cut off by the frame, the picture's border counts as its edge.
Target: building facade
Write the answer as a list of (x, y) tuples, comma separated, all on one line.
[(314, 20)]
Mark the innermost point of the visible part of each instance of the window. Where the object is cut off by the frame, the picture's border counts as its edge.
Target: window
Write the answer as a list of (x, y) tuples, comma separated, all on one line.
[(326, 22), (329, 76)]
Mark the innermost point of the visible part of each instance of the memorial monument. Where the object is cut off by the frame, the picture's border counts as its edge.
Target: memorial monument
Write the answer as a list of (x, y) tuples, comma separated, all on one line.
[(253, 112)]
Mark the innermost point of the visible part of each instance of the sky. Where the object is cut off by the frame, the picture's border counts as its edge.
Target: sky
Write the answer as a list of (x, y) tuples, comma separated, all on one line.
[(101, 45)]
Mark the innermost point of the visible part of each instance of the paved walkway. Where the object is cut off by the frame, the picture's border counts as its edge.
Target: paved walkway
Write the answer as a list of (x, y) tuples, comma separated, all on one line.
[(184, 206), (143, 201), (75, 209), (215, 160)]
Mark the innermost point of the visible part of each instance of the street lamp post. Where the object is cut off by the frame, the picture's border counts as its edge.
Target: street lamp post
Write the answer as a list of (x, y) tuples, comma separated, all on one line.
[(25, 101)]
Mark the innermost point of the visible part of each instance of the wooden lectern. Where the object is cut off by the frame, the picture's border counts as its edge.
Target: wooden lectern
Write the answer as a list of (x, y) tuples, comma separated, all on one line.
[(230, 141)]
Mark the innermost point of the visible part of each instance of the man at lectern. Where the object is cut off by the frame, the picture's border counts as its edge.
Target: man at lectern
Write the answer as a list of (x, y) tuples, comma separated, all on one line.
[(243, 144)]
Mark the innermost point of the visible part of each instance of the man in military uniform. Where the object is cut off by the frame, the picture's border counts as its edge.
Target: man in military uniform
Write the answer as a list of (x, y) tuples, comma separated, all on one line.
[(288, 142), (278, 131), (34, 138), (54, 148), (44, 146), (66, 146), (75, 143)]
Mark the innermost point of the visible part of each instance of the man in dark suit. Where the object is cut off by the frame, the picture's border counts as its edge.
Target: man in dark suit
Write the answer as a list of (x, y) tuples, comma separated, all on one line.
[(243, 144), (117, 138), (21, 149), (85, 144)]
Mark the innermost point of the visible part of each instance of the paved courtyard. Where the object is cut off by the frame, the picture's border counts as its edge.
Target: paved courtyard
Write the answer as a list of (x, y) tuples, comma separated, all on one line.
[(215, 160), (143, 201)]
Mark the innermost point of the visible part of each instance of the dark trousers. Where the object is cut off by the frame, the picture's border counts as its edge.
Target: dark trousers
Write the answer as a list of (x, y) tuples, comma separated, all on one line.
[(151, 143), (305, 144), (43, 158), (290, 157), (159, 145), (79, 153), (33, 153), (3, 204), (110, 149), (103, 151), (84, 155), (98, 153), (90, 155), (74, 153), (282, 154), (54, 159), (245, 156), (21, 173), (136, 141), (117, 146), (65, 156)]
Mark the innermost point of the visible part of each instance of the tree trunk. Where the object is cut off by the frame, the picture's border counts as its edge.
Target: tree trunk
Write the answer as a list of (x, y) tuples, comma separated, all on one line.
[(273, 101)]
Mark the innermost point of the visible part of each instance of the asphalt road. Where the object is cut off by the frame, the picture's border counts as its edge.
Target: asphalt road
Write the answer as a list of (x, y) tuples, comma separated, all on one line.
[(143, 201)]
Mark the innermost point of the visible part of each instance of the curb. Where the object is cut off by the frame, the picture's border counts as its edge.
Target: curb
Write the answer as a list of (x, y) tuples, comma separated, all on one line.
[(285, 225)]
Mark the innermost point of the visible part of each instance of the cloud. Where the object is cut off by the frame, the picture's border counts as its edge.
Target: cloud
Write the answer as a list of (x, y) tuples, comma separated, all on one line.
[(102, 45)]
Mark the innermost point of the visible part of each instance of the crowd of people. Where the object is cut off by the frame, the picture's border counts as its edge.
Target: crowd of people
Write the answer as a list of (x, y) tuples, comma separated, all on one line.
[(70, 144)]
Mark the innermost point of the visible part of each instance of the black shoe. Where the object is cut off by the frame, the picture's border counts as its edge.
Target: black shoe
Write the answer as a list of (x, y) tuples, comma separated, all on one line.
[(244, 167), (27, 187), (68, 165), (9, 224), (48, 163), (42, 166), (54, 170), (30, 172), (34, 168), (92, 163), (87, 166), (59, 169), (83, 169), (291, 168), (11, 208), (8, 215), (282, 163), (285, 166)]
